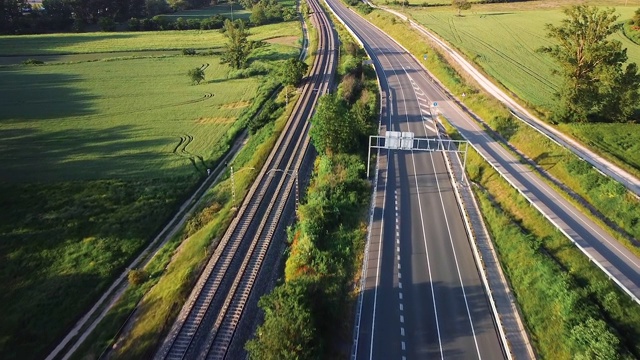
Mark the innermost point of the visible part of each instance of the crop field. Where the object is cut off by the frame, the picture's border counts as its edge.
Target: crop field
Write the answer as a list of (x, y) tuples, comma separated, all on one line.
[(503, 43), (502, 39), (621, 140), (97, 153), (115, 118), (100, 42), (514, 5)]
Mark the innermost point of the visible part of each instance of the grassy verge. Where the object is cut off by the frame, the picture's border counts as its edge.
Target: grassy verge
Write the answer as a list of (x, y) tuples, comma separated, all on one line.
[(564, 298), (604, 194)]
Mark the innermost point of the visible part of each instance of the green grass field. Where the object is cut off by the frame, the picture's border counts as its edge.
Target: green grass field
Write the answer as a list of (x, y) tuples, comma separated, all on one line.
[(96, 155), (502, 39), (126, 118), (100, 42), (504, 43)]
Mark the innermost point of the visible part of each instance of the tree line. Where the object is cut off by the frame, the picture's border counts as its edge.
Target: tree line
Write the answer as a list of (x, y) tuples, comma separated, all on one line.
[(19, 17)]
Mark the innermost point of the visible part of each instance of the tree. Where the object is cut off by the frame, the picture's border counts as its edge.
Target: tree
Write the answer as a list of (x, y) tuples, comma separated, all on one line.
[(196, 75), (333, 131), (137, 276), (288, 331), (596, 84), (11, 15), (58, 14), (292, 71), (461, 5), (258, 15), (238, 48)]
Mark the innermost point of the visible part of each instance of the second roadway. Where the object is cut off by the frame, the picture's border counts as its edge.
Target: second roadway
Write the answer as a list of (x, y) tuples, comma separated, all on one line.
[(423, 295)]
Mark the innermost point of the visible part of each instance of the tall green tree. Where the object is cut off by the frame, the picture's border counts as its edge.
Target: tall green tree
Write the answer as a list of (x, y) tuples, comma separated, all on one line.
[(288, 331), (292, 71), (333, 130), (596, 84), (237, 48)]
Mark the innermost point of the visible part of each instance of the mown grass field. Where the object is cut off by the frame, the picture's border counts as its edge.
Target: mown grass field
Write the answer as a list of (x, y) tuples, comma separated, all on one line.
[(125, 118), (96, 155)]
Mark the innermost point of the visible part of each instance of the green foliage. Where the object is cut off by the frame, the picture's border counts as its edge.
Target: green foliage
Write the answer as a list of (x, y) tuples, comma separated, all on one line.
[(595, 340), (258, 14), (291, 71), (595, 82), (270, 111), (196, 75), (635, 20), (288, 331), (568, 304), (237, 48), (461, 5), (304, 8), (320, 270), (190, 51), (106, 24), (137, 276), (307, 313), (332, 130)]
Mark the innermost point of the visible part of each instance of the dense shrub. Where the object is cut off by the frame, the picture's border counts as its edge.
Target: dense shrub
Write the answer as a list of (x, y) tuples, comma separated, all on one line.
[(107, 24)]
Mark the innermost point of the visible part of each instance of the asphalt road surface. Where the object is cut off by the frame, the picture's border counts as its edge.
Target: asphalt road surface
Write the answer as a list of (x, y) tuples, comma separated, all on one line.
[(408, 93), (423, 294)]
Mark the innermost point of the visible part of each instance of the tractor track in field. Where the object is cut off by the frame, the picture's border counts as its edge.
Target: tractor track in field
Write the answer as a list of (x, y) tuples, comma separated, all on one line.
[(181, 150)]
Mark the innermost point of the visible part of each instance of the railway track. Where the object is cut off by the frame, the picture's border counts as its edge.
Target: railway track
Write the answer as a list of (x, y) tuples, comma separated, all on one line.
[(208, 321)]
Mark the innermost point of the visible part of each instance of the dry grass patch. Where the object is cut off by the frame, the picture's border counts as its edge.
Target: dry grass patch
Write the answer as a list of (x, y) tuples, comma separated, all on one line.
[(235, 105), (216, 120), (284, 40)]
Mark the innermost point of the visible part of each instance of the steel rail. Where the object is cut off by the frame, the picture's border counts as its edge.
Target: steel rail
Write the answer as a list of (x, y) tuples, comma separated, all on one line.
[(197, 308), (224, 328)]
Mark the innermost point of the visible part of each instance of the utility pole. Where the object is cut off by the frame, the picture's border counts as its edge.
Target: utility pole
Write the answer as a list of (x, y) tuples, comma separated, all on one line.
[(233, 183), (294, 173)]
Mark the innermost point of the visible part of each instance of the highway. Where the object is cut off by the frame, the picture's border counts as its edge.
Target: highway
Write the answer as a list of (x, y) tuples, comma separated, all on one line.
[(423, 295), (616, 261), (630, 181), (403, 180)]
